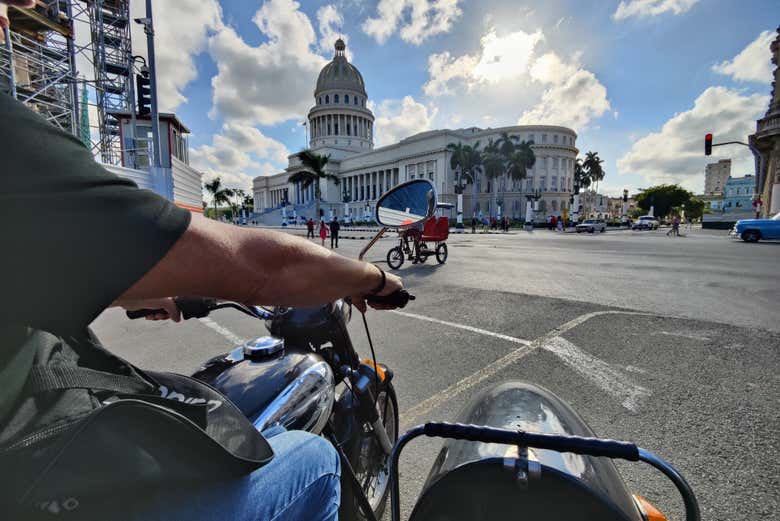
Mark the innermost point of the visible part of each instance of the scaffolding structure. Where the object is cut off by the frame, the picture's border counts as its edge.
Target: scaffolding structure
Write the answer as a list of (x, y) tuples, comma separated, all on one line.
[(38, 66), (109, 22)]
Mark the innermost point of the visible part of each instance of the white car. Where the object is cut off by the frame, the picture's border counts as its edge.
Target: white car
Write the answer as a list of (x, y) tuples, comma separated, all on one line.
[(646, 222), (592, 225)]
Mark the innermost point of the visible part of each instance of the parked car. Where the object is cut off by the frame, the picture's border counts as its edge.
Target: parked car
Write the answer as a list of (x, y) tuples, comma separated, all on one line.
[(753, 230), (646, 222), (591, 225)]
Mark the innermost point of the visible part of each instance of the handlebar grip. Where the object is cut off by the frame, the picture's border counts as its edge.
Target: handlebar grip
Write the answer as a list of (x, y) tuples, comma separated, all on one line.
[(190, 307), (397, 299), (141, 313), (573, 444)]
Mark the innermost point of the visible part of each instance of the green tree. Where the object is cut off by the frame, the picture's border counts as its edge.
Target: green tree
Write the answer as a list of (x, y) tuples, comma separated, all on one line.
[(313, 172), (592, 166), (663, 198), (467, 161), (493, 166), (694, 208), (219, 194), (581, 178), (520, 160)]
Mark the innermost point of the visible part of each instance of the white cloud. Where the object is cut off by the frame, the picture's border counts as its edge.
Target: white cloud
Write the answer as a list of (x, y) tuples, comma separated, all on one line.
[(753, 63), (330, 21), (676, 152), (181, 31), (648, 8), (500, 58), (238, 153), (272, 82), (573, 96), (415, 20), (508, 77), (397, 119)]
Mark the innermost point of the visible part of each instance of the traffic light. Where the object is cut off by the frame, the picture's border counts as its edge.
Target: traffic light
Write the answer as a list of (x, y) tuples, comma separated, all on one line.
[(143, 93), (708, 145)]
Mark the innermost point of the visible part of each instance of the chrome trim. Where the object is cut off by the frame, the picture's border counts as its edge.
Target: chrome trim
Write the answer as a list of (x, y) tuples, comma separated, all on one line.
[(306, 403)]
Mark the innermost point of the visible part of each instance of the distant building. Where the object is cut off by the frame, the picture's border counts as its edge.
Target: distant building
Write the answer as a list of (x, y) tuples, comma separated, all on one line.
[(767, 140), (715, 176), (739, 193), (615, 207), (341, 125)]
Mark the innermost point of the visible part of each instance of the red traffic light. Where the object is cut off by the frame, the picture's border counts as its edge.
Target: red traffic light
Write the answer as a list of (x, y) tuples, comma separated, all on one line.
[(708, 145)]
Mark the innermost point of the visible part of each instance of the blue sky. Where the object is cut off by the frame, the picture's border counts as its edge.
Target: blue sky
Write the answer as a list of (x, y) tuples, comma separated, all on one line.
[(641, 81)]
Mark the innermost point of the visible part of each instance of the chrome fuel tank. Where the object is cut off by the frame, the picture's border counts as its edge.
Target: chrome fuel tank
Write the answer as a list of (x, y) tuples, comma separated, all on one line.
[(274, 387)]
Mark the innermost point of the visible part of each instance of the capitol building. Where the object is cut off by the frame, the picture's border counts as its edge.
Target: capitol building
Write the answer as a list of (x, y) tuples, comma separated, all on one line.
[(341, 126)]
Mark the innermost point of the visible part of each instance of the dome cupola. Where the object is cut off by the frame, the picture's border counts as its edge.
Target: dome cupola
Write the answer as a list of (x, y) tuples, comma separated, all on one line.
[(340, 121), (340, 74)]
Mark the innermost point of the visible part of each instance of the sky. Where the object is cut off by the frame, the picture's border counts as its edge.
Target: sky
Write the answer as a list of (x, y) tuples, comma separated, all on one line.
[(640, 81)]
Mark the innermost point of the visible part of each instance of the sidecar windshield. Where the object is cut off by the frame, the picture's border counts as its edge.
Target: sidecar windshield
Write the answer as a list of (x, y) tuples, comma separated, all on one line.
[(486, 490)]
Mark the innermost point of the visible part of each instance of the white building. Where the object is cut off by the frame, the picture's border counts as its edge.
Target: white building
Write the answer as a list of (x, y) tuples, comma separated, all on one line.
[(342, 126), (715, 176)]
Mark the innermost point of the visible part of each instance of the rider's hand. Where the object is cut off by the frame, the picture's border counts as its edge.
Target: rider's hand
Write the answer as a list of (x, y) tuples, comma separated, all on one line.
[(393, 283), (170, 311)]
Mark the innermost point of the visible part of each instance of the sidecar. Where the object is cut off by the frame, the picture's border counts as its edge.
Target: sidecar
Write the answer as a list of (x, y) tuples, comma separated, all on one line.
[(474, 481)]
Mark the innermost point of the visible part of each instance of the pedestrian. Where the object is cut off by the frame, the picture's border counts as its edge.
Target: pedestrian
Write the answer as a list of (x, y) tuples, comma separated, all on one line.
[(560, 225), (323, 231), (690, 223), (473, 224), (310, 228), (553, 222), (334, 232)]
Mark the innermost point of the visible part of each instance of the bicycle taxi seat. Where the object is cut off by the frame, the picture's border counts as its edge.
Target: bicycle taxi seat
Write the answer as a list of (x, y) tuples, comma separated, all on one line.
[(436, 229)]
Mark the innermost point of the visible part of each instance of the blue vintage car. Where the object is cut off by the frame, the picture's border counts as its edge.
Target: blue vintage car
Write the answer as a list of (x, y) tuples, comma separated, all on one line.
[(753, 230)]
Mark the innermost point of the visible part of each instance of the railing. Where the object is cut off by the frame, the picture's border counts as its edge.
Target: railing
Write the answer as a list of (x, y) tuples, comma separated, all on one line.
[(768, 124)]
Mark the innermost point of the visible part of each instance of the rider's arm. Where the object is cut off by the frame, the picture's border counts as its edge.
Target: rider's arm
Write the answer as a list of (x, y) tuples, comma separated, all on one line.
[(255, 267)]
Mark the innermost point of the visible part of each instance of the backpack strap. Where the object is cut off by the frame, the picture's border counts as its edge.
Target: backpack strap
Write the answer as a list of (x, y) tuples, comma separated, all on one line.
[(44, 378)]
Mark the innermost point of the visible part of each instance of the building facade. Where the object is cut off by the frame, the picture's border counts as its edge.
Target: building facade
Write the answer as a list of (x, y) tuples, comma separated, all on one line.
[(739, 194), (715, 176), (767, 141), (341, 126)]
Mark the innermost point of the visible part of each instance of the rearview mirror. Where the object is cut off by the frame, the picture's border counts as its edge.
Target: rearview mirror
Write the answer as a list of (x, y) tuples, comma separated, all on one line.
[(406, 204)]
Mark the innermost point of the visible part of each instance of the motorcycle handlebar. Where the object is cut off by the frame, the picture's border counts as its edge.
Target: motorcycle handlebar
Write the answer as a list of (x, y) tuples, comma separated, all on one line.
[(190, 307), (397, 299)]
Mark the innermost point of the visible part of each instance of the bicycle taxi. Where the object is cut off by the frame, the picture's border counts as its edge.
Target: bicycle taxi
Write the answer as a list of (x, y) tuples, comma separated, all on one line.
[(417, 244)]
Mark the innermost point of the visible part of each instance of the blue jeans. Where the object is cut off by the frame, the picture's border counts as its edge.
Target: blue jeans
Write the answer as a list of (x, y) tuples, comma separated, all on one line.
[(301, 482)]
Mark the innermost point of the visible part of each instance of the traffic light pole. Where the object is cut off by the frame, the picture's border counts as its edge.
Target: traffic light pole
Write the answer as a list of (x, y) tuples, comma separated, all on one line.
[(149, 30), (759, 158)]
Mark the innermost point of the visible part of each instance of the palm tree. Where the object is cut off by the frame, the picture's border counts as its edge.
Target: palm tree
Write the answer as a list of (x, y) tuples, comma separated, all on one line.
[(313, 172), (219, 194), (237, 202), (592, 164), (467, 160), (506, 147), (581, 179), (520, 160), (493, 166)]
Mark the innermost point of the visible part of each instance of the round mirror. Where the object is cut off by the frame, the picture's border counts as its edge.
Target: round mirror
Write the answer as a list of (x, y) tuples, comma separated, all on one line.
[(406, 204)]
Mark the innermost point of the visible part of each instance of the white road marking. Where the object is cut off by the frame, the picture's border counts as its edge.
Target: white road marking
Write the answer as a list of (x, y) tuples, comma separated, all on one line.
[(235, 339), (463, 326), (599, 372), (426, 406), (684, 335)]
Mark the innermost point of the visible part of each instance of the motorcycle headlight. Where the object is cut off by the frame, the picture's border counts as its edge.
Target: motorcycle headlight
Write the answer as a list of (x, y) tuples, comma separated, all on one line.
[(305, 404)]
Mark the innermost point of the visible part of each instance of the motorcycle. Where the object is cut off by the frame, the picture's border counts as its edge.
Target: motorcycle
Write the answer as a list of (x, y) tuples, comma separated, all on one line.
[(518, 451)]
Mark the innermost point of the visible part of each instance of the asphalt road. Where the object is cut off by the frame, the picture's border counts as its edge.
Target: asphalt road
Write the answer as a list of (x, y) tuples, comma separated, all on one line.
[(670, 342)]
